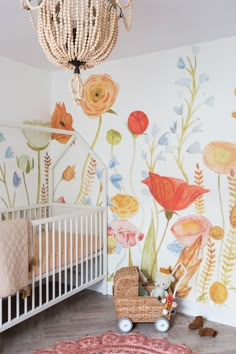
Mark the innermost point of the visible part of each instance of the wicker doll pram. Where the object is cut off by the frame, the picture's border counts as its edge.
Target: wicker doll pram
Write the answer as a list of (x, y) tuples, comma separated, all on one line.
[(132, 308)]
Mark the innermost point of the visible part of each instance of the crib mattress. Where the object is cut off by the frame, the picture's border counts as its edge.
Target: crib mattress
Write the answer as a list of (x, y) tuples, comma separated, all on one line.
[(66, 254)]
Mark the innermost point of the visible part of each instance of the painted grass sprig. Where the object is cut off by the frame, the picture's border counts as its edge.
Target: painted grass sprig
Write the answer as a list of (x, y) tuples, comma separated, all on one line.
[(198, 180), (207, 271), (47, 164), (88, 181)]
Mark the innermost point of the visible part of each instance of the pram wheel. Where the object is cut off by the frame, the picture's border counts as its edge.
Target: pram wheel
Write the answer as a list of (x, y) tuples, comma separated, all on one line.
[(125, 325), (162, 324)]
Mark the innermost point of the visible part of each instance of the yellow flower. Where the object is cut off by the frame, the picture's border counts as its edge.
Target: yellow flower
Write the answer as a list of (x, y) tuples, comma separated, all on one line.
[(124, 205), (220, 156), (218, 293), (216, 232), (69, 173), (99, 94)]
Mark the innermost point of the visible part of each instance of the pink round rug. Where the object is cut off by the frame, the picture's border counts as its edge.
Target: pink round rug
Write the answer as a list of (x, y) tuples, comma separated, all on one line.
[(115, 343)]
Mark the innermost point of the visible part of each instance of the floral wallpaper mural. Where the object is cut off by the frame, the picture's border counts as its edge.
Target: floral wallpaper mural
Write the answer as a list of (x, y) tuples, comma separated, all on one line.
[(171, 183)]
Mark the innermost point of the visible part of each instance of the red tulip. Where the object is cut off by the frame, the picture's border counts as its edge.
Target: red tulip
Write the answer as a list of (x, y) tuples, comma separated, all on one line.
[(138, 122), (173, 193)]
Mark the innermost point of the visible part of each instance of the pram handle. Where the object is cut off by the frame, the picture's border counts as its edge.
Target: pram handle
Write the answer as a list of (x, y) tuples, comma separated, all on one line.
[(181, 279)]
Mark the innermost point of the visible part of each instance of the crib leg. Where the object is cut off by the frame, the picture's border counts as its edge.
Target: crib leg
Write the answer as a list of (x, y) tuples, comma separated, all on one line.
[(104, 287)]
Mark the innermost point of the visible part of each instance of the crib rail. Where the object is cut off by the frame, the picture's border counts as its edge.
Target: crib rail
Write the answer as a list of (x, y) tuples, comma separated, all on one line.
[(69, 249)]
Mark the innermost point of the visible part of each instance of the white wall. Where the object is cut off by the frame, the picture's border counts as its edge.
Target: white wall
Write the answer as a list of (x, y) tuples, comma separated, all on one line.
[(25, 92), (148, 83)]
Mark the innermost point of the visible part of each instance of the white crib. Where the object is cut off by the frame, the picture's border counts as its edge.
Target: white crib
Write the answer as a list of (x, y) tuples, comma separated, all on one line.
[(70, 248)]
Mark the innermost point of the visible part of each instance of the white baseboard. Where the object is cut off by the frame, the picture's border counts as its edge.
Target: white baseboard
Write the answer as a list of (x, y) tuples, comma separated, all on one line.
[(209, 312)]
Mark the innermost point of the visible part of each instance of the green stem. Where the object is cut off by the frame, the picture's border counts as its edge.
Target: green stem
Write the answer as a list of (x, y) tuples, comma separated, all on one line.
[(26, 190), (39, 178), (159, 247), (116, 171), (87, 159), (99, 193), (57, 185), (223, 222), (132, 164)]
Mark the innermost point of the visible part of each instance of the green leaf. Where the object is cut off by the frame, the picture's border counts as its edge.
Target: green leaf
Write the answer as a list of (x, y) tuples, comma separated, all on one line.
[(149, 261), (111, 111), (130, 258)]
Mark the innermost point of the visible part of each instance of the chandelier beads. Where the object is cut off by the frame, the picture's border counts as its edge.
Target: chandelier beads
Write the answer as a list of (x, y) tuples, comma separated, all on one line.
[(78, 34)]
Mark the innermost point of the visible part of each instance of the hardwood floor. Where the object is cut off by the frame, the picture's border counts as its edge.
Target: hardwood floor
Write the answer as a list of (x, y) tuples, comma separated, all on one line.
[(92, 313)]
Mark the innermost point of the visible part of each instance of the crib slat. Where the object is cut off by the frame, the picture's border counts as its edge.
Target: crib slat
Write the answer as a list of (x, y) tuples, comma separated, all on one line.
[(9, 308), (0, 312), (76, 252), (71, 256), (59, 251), (17, 304), (91, 247), (65, 255), (100, 243), (53, 260), (82, 248), (96, 243), (40, 263), (47, 268), (86, 251)]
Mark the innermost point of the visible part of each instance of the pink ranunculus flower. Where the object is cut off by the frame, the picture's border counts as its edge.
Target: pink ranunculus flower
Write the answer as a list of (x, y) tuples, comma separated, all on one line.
[(189, 228), (126, 233)]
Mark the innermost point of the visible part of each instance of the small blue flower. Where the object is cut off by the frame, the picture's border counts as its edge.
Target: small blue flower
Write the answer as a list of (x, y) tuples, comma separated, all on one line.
[(210, 101), (179, 110), (174, 127), (196, 50), (16, 180), (144, 174), (99, 173), (109, 203), (203, 77), (181, 63), (88, 201), (164, 139), (161, 156), (113, 162), (9, 153), (194, 148), (185, 82), (2, 138), (175, 247), (155, 130), (197, 129), (115, 180), (119, 248), (144, 155)]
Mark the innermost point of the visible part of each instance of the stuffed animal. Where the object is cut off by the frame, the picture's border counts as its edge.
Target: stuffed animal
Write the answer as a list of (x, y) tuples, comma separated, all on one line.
[(162, 282)]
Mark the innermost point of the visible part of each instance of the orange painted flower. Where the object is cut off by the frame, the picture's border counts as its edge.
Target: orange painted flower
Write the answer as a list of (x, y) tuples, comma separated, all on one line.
[(61, 120), (216, 232), (172, 193), (69, 173), (189, 228), (220, 156), (126, 233), (124, 205), (99, 94)]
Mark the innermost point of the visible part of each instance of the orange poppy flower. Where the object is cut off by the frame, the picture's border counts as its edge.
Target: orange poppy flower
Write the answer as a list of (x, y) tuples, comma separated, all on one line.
[(99, 94), (172, 193), (61, 120), (220, 156)]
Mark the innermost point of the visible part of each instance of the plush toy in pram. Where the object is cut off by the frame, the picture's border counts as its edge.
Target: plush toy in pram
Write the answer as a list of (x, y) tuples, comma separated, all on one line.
[(162, 282)]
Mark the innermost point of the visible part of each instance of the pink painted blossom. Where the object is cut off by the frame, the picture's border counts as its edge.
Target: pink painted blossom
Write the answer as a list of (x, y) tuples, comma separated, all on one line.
[(126, 233)]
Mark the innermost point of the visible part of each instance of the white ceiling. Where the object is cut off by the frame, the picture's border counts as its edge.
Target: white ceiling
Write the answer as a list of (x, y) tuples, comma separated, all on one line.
[(157, 25)]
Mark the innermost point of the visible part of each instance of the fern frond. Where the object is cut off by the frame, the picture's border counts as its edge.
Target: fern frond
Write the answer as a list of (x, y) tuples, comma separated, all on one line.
[(228, 257), (88, 181), (207, 271), (47, 163), (198, 180)]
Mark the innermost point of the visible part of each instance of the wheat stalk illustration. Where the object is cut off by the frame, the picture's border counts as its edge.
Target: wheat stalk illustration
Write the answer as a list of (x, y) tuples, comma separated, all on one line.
[(198, 180), (88, 181)]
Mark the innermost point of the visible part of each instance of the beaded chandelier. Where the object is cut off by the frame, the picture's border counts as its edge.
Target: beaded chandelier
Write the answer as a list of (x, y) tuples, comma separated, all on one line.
[(78, 34)]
